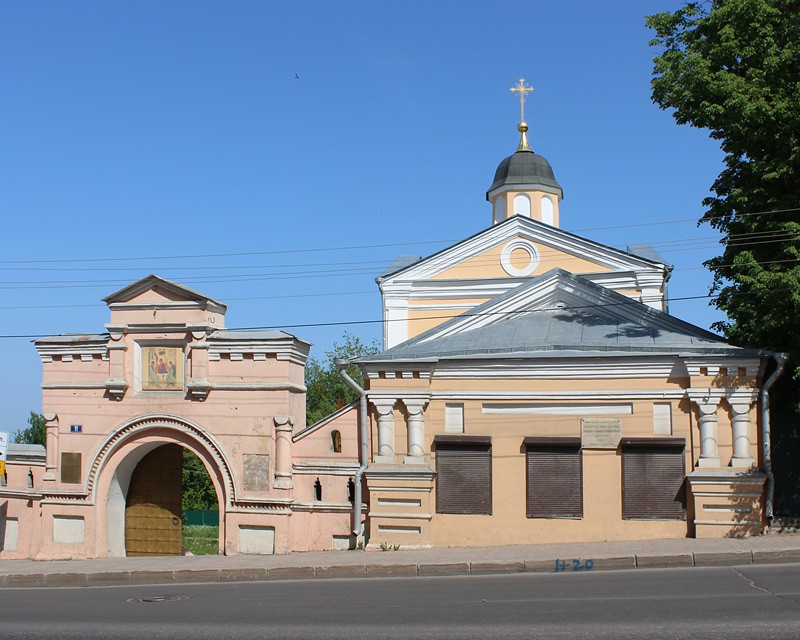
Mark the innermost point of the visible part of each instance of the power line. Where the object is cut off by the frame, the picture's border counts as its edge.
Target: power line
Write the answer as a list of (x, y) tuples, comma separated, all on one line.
[(354, 247), (383, 321), (771, 237)]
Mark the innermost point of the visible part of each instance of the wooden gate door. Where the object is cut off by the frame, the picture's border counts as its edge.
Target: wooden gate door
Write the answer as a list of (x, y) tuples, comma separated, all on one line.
[(153, 507)]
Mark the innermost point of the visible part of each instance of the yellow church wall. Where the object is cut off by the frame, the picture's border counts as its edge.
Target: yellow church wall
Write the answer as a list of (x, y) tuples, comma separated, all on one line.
[(602, 480), (487, 264), (424, 319), (426, 303), (602, 469)]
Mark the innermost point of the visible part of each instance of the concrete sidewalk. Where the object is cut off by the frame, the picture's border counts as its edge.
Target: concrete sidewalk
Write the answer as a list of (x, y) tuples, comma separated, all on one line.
[(550, 558)]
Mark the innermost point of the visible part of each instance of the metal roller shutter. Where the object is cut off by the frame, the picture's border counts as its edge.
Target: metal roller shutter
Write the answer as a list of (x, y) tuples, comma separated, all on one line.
[(464, 477), (653, 476), (555, 481)]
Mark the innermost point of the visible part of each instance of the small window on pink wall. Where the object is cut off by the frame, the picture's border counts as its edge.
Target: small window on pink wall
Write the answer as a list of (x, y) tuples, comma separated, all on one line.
[(336, 441)]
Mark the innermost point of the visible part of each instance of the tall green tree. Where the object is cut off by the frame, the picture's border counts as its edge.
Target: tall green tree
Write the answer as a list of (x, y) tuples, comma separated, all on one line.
[(326, 391), (36, 433), (733, 67)]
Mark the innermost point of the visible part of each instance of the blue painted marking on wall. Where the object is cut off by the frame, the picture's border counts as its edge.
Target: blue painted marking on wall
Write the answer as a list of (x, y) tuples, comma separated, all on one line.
[(574, 565)]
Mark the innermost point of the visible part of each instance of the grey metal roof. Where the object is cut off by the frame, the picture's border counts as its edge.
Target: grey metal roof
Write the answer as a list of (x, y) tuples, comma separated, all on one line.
[(73, 338), (400, 262), (250, 334), (646, 251), (525, 167), (562, 331)]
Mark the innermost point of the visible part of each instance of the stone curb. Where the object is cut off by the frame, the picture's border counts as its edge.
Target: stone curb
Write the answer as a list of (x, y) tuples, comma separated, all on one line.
[(421, 569)]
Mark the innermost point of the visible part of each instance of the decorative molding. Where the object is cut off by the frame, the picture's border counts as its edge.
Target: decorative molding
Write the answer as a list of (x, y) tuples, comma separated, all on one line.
[(74, 385), (330, 507), (116, 387), (591, 366), (527, 247), (141, 425), (320, 467), (198, 388), (383, 396), (282, 348), (20, 493), (599, 394)]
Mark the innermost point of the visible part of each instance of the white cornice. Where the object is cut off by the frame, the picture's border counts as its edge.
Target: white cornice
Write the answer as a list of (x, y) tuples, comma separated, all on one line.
[(75, 385), (89, 348), (256, 386), (524, 188), (592, 394), (169, 305), (325, 467), (282, 348)]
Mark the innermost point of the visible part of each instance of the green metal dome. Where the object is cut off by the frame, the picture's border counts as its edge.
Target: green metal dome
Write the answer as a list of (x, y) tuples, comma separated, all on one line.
[(525, 168)]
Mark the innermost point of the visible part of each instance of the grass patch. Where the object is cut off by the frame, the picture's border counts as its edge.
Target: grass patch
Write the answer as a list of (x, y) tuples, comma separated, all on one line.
[(200, 540)]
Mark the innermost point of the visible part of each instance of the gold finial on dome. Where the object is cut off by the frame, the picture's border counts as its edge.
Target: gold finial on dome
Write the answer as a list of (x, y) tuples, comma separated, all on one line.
[(522, 127)]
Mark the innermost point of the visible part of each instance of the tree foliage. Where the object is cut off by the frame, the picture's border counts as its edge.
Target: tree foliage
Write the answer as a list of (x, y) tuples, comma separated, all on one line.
[(198, 490), (36, 433), (733, 67), (326, 391)]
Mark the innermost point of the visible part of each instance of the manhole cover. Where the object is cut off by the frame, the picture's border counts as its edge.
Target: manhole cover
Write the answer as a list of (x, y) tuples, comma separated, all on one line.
[(158, 599)]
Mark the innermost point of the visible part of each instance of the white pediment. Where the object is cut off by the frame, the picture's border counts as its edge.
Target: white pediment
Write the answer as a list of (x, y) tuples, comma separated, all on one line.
[(552, 239)]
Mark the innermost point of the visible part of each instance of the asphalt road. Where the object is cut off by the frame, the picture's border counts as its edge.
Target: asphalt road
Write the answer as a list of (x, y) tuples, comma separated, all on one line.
[(760, 602)]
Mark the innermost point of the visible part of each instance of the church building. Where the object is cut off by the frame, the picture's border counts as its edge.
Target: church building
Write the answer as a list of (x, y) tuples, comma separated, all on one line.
[(535, 389)]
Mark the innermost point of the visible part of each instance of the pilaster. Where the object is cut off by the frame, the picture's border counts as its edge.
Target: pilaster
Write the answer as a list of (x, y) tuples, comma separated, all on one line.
[(51, 447), (283, 452), (116, 385)]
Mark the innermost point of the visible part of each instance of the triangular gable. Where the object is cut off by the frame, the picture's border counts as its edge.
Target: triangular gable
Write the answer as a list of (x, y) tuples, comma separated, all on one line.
[(156, 289), (557, 310), (554, 239)]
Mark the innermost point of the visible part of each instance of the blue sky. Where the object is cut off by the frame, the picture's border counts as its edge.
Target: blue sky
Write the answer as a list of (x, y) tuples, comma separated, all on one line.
[(177, 139)]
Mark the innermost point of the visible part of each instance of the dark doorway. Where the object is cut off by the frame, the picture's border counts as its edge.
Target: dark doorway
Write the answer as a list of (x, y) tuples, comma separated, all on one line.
[(153, 505)]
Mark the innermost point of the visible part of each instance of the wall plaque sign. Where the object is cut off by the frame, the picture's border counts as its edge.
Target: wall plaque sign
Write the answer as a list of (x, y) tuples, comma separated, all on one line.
[(601, 433)]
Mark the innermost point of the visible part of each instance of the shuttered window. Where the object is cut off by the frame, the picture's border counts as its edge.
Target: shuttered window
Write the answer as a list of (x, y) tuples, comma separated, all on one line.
[(653, 476), (463, 474), (555, 478)]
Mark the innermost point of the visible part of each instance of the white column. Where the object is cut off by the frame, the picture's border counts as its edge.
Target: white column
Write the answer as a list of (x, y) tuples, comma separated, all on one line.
[(416, 431), (283, 452), (385, 411), (707, 401), (740, 401)]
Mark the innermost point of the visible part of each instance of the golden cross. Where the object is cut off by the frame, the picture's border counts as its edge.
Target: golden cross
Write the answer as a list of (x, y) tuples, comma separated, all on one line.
[(521, 89)]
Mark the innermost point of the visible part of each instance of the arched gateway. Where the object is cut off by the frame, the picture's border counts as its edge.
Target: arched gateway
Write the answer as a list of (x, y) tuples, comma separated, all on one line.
[(122, 406), (137, 475)]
